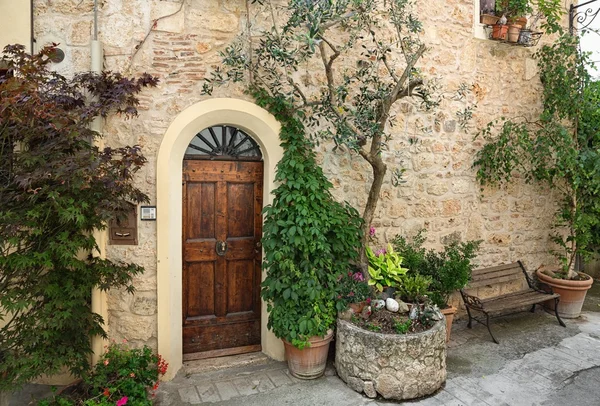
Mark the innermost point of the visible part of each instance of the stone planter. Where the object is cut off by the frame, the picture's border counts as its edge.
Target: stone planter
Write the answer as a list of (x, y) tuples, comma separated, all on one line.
[(394, 366)]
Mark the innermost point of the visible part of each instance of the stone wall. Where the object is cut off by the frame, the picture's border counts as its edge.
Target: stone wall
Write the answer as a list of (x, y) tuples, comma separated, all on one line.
[(179, 42)]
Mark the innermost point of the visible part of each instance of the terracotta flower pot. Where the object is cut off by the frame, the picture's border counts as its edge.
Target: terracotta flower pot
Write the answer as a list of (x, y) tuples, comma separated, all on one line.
[(572, 294), (309, 362), (357, 307), (499, 31), (449, 313), (488, 19), (513, 32)]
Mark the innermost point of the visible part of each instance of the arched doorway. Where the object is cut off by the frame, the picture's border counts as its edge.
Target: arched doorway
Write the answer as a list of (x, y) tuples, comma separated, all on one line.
[(264, 130), (222, 229)]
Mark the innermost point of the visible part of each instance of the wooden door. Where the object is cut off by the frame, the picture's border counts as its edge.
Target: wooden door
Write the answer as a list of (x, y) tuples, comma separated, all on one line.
[(222, 229)]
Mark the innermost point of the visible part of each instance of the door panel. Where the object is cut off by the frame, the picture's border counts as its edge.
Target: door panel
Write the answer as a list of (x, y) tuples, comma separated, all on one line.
[(240, 281), (221, 256), (200, 280)]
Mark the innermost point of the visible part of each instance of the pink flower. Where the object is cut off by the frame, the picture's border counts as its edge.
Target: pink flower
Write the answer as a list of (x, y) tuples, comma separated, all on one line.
[(372, 231), (358, 277), (122, 401), (105, 362), (132, 375), (381, 252), (368, 300)]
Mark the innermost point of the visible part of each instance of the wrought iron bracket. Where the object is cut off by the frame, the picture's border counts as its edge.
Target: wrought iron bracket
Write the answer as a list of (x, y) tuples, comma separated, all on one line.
[(583, 18)]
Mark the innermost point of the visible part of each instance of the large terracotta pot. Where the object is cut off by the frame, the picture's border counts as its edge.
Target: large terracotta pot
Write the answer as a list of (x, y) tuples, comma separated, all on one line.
[(449, 313), (572, 294), (309, 362)]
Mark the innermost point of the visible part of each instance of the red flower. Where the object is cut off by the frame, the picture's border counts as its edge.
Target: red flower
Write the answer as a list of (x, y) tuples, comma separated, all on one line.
[(162, 365), (106, 392)]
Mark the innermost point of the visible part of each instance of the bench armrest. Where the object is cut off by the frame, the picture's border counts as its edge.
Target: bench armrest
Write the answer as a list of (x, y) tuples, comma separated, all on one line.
[(537, 285), (471, 301)]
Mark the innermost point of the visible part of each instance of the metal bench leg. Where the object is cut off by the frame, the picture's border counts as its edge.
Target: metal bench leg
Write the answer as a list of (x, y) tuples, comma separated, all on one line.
[(556, 299), (487, 323), (533, 308), (470, 318)]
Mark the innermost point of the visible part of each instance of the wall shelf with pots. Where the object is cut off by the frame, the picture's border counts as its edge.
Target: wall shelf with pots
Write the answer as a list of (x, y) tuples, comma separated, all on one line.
[(511, 34)]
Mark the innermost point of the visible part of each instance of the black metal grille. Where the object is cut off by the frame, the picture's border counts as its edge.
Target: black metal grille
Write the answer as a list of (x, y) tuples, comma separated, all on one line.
[(583, 18), (223, 142)]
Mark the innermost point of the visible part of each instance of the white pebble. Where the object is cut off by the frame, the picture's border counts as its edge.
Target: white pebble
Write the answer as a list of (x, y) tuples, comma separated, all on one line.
[(392, 305)]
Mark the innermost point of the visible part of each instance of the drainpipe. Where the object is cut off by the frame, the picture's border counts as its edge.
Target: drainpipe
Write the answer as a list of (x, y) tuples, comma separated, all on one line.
[(99, 300), (32, 39)]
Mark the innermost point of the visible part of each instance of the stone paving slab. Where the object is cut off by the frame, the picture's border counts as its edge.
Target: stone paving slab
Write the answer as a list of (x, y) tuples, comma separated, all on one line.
[(533, 363)]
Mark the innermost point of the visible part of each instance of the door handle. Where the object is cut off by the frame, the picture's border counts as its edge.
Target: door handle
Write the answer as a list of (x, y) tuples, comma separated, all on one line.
[(221, 248)]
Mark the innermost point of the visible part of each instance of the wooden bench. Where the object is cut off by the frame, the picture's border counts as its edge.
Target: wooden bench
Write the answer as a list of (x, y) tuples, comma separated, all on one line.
[(536, 293)]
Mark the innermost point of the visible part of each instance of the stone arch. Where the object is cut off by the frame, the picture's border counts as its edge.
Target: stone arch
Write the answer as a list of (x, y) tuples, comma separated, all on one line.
[(264, 128)]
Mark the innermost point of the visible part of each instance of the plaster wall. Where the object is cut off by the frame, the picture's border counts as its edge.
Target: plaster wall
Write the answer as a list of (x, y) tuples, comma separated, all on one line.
[(15, 23), (179, 42)]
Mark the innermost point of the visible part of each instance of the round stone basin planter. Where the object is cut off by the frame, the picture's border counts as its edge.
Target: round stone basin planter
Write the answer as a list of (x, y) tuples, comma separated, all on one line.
[(394, 366)]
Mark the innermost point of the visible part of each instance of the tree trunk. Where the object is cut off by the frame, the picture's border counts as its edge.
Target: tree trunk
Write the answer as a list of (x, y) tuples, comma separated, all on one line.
[(379, 169)]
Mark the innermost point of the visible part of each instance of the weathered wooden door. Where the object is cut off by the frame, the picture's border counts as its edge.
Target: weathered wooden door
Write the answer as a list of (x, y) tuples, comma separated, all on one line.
[(222, 229)]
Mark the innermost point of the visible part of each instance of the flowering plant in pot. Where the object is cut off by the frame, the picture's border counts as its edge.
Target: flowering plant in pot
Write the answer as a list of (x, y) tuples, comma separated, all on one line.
[(309, 240), (559, 150), (353, 291)]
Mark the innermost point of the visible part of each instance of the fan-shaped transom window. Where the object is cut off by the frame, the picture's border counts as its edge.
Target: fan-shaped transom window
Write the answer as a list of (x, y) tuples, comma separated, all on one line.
[(223, 142)]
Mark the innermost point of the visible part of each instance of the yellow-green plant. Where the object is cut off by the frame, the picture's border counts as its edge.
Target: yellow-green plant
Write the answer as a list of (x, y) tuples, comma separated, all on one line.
[(385, 268)]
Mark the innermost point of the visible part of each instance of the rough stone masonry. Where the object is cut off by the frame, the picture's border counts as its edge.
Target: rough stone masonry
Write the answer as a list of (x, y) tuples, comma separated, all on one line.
[(180, 40)]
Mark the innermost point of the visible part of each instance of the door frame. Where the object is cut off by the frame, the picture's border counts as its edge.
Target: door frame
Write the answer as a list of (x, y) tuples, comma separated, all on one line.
[(264, 128)]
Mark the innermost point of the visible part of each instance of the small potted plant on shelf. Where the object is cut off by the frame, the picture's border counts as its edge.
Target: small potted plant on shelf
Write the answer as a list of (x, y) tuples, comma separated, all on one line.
[(488, 12), (514, 11), (309, 239), (448, 270)]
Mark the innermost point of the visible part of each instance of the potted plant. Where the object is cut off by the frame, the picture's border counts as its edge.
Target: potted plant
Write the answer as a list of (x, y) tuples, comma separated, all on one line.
[(353, 291), (560, 150), (309, 239), (515, 10), (448, 270)]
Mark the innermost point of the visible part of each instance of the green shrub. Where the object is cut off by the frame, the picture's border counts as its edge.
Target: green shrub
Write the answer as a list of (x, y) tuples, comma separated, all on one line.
[(414, 287), (309, 238), (449, 269)]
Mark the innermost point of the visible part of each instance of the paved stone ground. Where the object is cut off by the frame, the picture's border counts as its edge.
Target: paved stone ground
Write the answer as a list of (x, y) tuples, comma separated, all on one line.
[(536, 363)]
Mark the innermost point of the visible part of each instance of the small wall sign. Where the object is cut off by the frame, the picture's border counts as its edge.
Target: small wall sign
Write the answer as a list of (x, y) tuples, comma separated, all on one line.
[(148, 213)]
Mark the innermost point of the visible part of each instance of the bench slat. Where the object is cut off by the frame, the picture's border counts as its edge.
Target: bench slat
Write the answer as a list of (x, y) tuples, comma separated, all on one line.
[(497, 268), (494, 281), (497, 274), (512, 303)]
